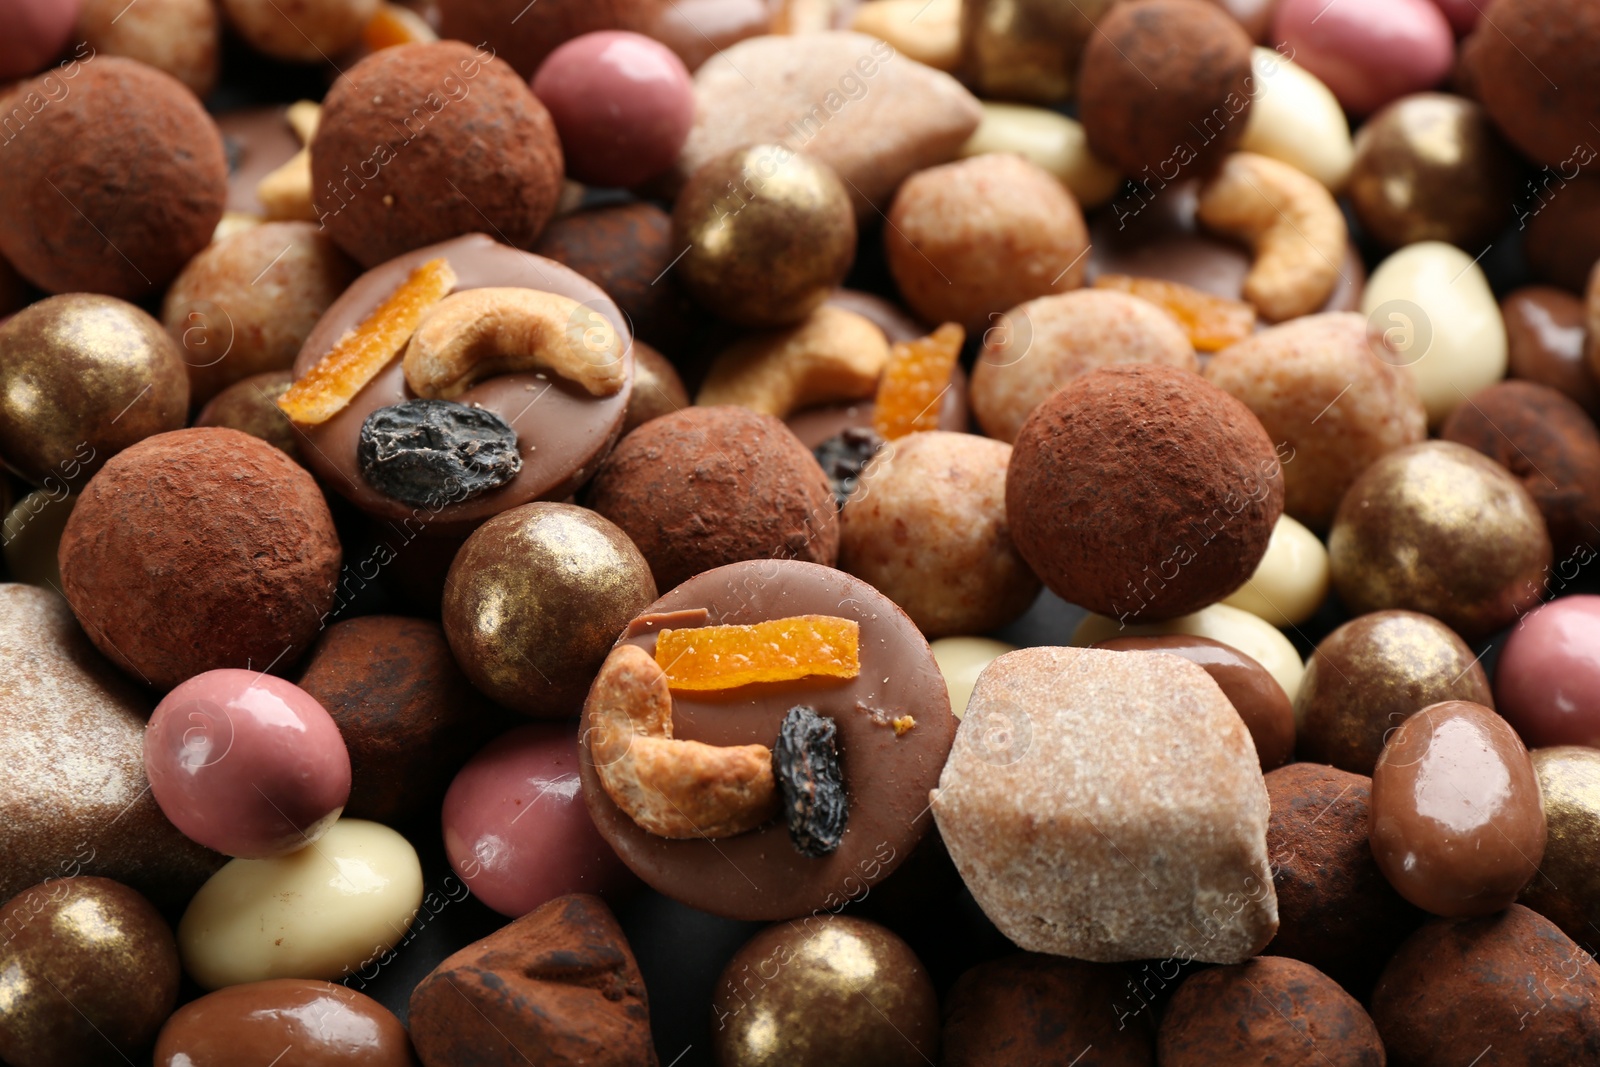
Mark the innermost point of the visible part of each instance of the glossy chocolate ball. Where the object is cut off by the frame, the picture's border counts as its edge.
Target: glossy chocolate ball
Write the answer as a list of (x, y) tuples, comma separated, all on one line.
[(770, 234), (301, 1021), (535, 599), (88, 973), (251, 407), (81, 378), (1372, 674), (1441, 529), (1432, 167), (1567, 888), (1548, 677), (832, 991), (1545, 336), (657, 388), (1457, 823)]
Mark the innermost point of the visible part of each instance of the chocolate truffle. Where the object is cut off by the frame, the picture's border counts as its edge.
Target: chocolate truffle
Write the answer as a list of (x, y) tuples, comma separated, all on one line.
[(523, 34), (1370, 675), (683, 486), (534, 600), (299, 1020), (1336, 911), (424, 142), (1268, 1010), (1548, 443), (1143, 492), (408, 715), (1531, 73), (1030, 1010), (1165, 87), (88, 964), (1545, 335), (200, 549), (1510, 981), (561, 982), (1561, 217), (114, 185), (181, 37), (251, 406), (775, 993)]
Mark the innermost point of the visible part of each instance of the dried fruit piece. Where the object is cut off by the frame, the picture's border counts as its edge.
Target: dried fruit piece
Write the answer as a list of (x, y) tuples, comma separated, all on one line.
[(903, 725), (393, 25), (844, 456), (778, 650), (914, 382), (358, 357), (431, 451), (805, 763), (1212, 322), (670, 788)]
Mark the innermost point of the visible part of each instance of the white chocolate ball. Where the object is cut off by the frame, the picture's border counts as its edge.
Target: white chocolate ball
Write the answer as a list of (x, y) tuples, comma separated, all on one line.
[(1250, 634), (1291, 581), (1296, 119), (961, 660)]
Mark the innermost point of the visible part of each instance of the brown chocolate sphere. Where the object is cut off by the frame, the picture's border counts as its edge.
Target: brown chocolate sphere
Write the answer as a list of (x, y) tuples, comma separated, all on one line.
[(769, 232), (251, 406), (1432, 167), (81, 378), (830, 992), (1438, 528), (302, 1021), (1266, 1010), (424, 142), (1143, 492), (1511, 982), (115, 182), (657, 388), (523, 34), (1545, 335), (200, 549), (1530, 65), (90, 970), (1567, 888), (1372, 674), (1031, 1010), (1561, 217), (535, 599), (1164, 88), (703, 487), (1336, 911)]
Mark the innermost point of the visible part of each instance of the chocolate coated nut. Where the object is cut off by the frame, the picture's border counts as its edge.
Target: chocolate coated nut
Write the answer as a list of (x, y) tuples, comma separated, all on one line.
[(1548, 674), (305, 1022), (1457, 822), (1545, 342)]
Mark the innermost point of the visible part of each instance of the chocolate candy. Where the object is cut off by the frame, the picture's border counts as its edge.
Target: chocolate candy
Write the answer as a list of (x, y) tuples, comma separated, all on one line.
[(90, 972), (1369, 52), (1567, 888), (1547, 676), (759, 874), (843, 457), (417, 450), (1546, 119), (1544, 342), (1254, 694), (1234, 627), (246, 763), (251, 406), (308, 1023), (1291, 581), (36, 31), (1457, 825), (562, 432), (657, 388)]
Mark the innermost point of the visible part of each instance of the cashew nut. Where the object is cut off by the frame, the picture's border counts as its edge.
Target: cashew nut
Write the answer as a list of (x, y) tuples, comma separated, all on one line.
[(479, 333), (833, 355), (670, 788), (285, 194), (1290, 220)]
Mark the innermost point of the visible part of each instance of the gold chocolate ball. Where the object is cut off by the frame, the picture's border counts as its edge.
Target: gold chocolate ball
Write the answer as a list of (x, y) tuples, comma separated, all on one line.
[(1372, 674), (250, 406), (657, 388), (1026, 49), (1567, 888), (1439, 528), (534, 600), (81, 378), (769, 233), (827, 991), (1432, 167)]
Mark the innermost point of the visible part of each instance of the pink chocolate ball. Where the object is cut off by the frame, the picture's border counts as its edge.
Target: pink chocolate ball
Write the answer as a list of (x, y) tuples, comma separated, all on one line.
[(247, 764), (516, 828), (34, 33), (1547, 683), (1368, 52), (622, 103)]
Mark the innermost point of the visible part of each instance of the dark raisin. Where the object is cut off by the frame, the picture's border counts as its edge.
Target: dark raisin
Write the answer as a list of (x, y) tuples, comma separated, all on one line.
[(843, 456), (436, 452), (805, 762)]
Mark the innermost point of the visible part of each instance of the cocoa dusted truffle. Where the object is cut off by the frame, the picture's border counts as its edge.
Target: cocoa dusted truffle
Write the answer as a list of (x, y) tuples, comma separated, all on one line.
[(1165, 87), (702, 487), (523, 34), (424, 142), (1532, 66), (200, 549), (114, 185), (1143, 492), (1267, 1010)]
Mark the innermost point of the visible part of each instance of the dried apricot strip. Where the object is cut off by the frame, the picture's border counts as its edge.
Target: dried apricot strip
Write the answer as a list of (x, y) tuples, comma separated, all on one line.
[(358, 357), (779, 650), (914, 382), (1212, 322)]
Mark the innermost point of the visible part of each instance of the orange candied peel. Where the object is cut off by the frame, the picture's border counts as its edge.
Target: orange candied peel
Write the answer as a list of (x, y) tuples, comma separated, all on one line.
[(779, 650), (358, 357), (1212, 322), (394, 25), (914, 382)]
